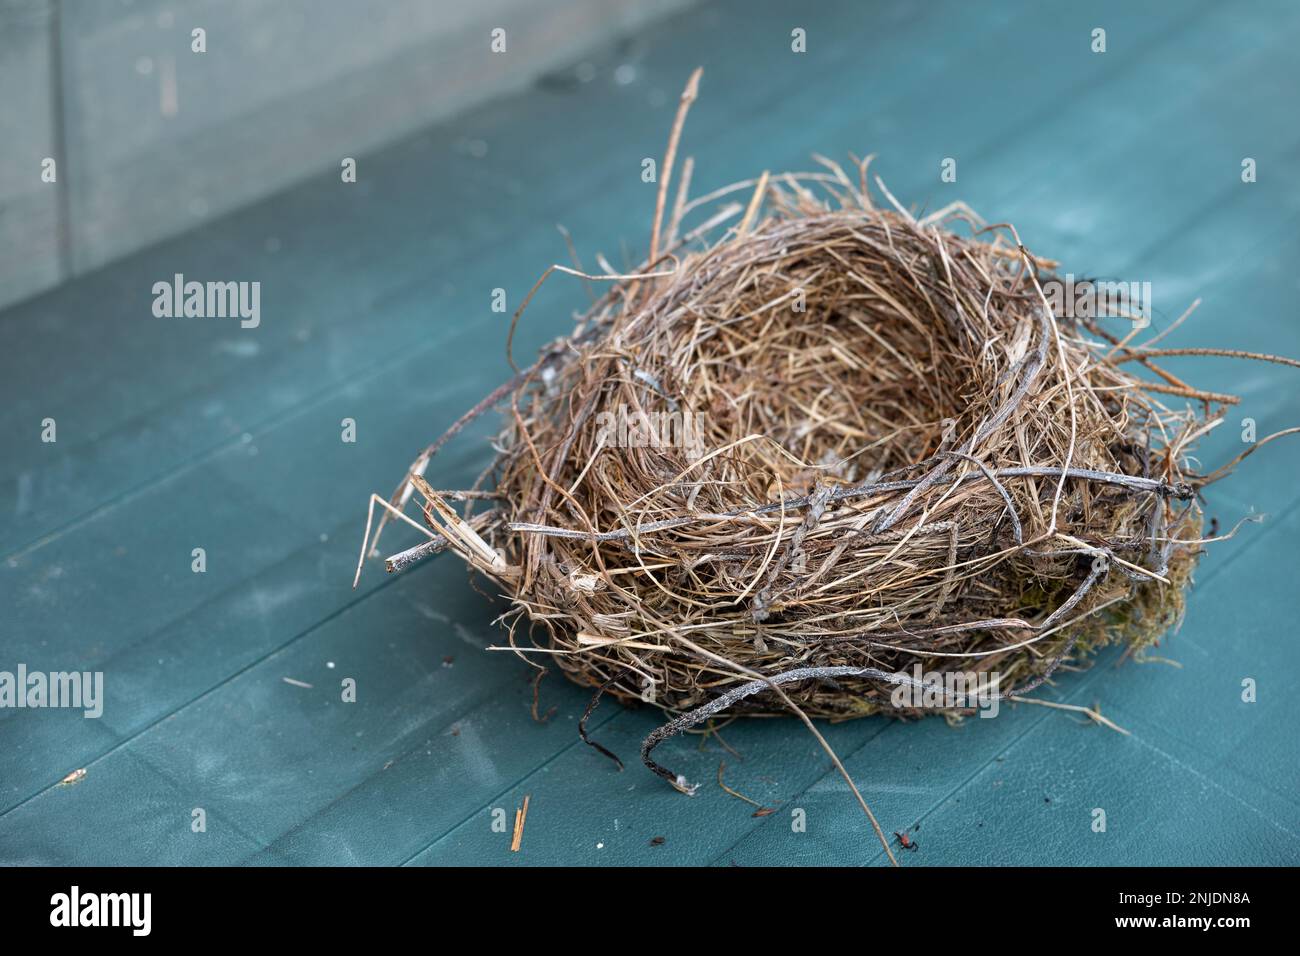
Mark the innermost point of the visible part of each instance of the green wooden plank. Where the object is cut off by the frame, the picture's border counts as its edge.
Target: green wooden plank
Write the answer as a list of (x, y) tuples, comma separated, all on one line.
[(199, 697), (124, 814)]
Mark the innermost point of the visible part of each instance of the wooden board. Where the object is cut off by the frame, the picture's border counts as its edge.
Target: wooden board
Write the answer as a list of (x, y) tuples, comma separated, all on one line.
[(177, 434)]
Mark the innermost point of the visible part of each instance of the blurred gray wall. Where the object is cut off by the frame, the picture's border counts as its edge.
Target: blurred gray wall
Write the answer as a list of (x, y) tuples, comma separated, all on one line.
[(151, 138)]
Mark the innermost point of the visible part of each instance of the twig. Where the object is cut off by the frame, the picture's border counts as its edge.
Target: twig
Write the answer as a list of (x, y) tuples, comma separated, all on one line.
[(586, 715), (722, 766), (1092, 713), (670, 155)]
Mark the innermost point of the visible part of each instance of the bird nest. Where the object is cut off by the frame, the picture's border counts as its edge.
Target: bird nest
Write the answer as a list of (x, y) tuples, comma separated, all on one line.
[(818, 447)]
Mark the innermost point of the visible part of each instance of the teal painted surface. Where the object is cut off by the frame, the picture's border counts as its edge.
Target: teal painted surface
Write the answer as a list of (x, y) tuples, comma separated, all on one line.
[(375, 306)]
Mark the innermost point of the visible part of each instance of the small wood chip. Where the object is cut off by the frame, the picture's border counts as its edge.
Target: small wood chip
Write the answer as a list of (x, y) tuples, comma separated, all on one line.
[(521, 816)]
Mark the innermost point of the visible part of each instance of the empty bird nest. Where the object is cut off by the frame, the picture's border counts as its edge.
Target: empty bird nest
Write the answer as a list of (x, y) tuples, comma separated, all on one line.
[(815, 442)]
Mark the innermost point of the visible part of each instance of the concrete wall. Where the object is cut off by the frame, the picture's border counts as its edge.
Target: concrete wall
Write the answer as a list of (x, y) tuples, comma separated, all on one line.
[(30, 214), (151, 138)]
